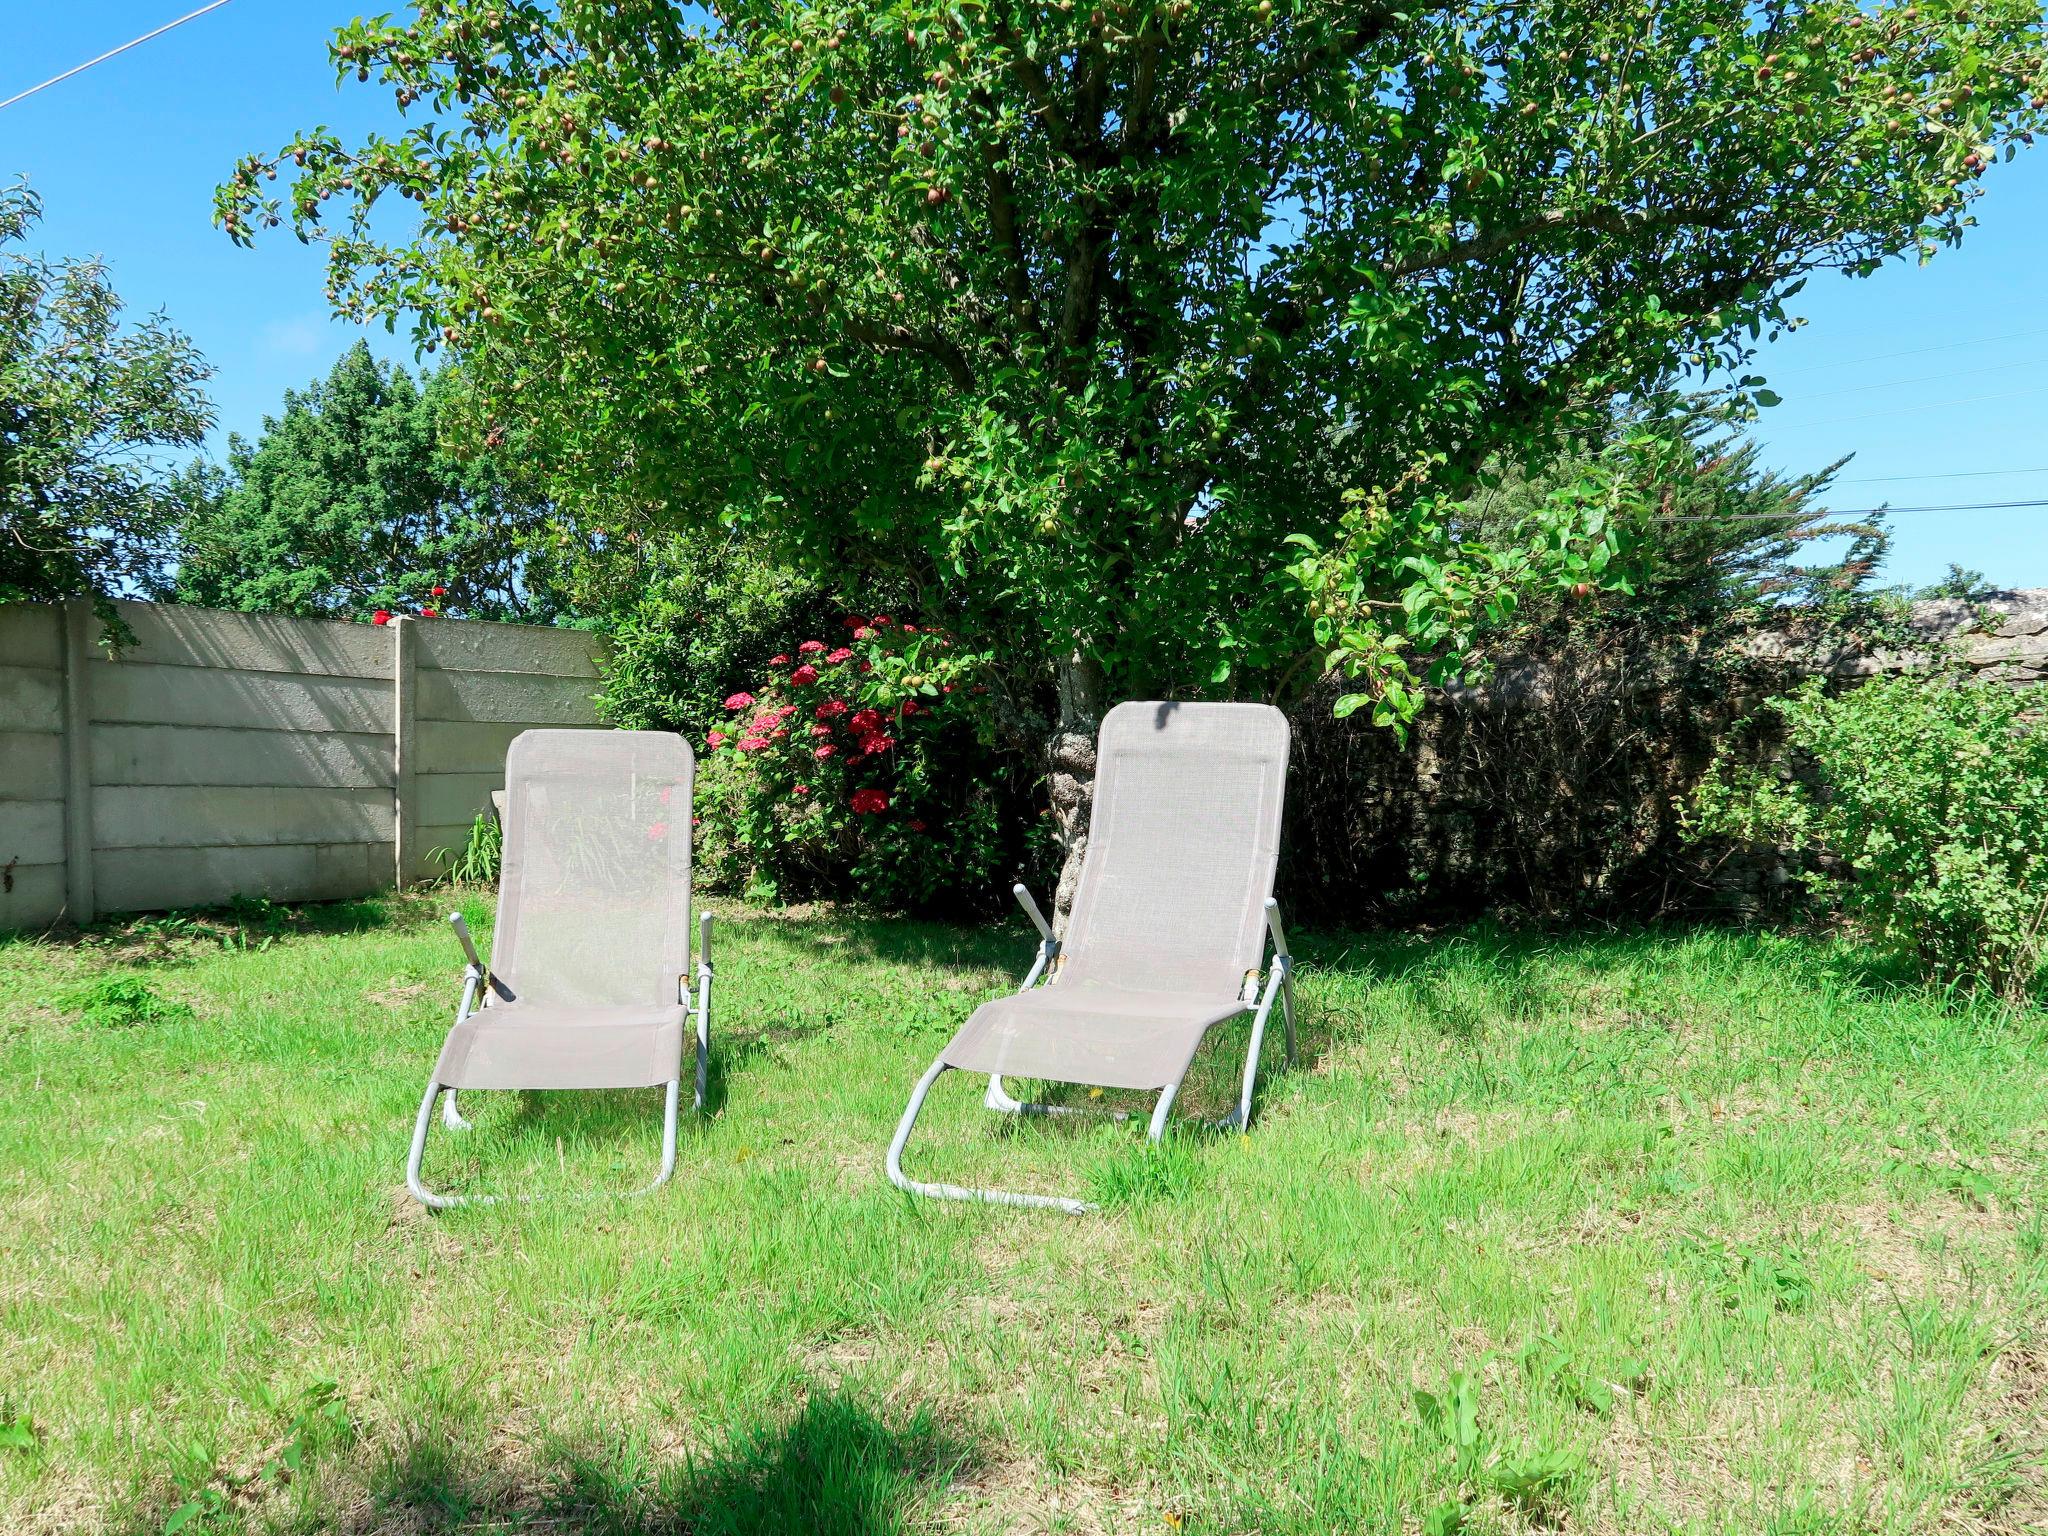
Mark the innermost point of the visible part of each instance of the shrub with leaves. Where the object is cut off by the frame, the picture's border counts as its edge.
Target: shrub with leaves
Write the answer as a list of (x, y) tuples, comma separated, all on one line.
[(1923, 802), (122, 1002), (868, 768)]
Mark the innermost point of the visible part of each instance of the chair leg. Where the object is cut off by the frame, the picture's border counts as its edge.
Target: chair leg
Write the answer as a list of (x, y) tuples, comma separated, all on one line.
[(1275, 984), (413, 1182), (904, 1182), (703, 1034), (450, 1115)]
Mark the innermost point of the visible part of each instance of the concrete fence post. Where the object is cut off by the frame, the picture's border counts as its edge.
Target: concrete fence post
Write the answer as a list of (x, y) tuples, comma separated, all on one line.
[(81, 634), (405, 808)]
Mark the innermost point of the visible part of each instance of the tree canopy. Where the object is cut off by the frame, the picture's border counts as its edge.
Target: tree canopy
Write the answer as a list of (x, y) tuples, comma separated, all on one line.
[(1081, 310), (352, 499), (88, 407)]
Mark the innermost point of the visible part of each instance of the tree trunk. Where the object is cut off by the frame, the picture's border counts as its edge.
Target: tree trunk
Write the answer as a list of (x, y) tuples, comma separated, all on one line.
[(1070, 770)]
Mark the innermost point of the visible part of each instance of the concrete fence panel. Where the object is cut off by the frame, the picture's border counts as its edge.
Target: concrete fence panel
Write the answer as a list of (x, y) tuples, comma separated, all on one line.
[(229, 754)]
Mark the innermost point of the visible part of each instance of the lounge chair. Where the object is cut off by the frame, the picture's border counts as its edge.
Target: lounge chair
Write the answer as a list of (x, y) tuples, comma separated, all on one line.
[(1169, 925), (589, 980)]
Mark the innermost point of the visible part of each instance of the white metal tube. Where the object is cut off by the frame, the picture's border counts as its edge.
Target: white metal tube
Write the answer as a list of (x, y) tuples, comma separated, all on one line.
[(1031, 910)]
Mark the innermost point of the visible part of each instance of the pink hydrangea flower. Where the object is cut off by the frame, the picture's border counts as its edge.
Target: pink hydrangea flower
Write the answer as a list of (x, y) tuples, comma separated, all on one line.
[(804, 675), (842, 654), (753, 743), (824, 752), (740, 701), (810, 648), (868, 802), (778, 661), (865, 720), (715, 740), (821, 730), (917, 826), (830, 708), (864, 633), (800, 789)]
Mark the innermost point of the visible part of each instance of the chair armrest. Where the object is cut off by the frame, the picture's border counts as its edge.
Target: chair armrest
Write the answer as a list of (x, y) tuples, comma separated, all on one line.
[(1031, 910), (468, 944), (1273, 927)]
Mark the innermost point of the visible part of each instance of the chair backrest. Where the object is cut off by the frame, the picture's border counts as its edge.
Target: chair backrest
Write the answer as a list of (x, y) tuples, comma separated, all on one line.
[(1182, 845), (594, 890)]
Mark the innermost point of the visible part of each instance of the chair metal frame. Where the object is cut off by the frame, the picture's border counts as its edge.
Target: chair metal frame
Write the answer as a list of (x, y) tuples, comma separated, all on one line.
[(477, 979), (1278, 985)]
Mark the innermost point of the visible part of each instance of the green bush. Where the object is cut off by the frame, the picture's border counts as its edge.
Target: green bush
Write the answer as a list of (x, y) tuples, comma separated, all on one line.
[(866, 769), (1923, 802), (702, 627), (122, 1002)]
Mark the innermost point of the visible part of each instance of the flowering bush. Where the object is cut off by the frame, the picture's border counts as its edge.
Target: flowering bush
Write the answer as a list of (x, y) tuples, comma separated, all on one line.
[(866, 768)]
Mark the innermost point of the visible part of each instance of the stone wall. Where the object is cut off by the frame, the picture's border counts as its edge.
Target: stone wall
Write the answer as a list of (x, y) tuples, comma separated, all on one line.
[(1553, 789)]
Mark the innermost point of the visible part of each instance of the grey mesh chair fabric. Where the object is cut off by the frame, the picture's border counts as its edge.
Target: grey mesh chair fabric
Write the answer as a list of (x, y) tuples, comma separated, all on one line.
[(1168, 929), (588, 984)]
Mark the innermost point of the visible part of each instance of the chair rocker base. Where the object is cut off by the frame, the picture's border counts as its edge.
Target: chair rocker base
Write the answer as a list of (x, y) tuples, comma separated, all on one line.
[(1279, 985), (672, 1094)]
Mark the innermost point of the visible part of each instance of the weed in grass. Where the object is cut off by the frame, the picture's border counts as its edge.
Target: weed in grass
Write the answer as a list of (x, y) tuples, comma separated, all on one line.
[(17, 1430), (1146, 1174), (122, 1002)]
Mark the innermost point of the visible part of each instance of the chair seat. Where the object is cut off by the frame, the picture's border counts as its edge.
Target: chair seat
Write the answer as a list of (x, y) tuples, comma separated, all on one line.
[(1102, 1036), (564, 1045)]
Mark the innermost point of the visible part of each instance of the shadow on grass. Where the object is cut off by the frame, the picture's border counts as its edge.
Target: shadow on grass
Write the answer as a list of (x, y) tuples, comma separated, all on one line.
[(835, 1469)]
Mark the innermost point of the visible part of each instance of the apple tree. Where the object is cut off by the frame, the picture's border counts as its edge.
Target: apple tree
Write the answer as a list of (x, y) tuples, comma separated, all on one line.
[(1162, 341)]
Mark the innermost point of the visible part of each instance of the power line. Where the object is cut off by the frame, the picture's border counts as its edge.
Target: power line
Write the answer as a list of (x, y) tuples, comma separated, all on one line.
[(1779, 517), (133, 43), (1925, 378), (1924, 405), (1940, 346), (1960, 474)]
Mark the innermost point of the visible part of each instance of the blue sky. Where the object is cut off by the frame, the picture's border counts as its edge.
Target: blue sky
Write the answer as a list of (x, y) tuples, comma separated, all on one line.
[(1917, 372)]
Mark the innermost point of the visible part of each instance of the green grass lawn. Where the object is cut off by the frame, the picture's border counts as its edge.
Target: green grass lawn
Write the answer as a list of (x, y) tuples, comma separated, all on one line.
[(1699, 1232)]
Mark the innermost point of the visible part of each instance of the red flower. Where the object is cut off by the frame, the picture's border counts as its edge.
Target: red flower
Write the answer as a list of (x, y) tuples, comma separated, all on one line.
[(804, 675), (714, 741), (868, 802), (429, 613), (877, 744), (867, 666), (740, 701), (810, 648), (778, 661), (948, 688), (865, 721), (853, 621), (912, 707), (696, 821), (910, 629), (381, 616), (439, 592), (824, 752), (821, 730), (917, 826), (753, 743), (800, 789), (657, 831), (830, 708), (881, 621), (863, 633), (839, 655)]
